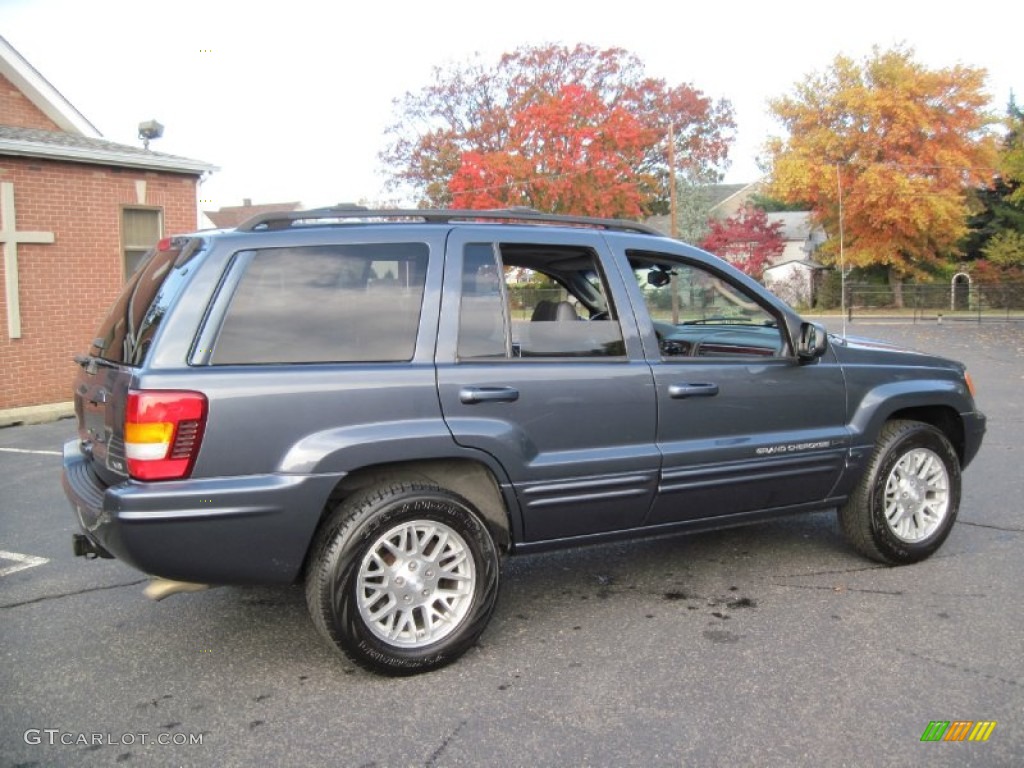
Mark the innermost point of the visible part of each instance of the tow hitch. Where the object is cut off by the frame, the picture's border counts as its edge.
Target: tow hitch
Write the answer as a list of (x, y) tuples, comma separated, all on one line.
[(85, 547)]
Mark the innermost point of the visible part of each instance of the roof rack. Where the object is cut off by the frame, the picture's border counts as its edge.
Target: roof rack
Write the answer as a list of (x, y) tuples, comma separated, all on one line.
[(355, 214)]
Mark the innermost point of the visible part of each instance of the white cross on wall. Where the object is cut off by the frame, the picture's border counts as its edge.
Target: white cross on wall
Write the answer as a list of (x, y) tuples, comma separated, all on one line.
[(10, 237)]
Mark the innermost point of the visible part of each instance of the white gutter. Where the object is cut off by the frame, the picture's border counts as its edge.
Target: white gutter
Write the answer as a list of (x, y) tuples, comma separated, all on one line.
[(96, 156)]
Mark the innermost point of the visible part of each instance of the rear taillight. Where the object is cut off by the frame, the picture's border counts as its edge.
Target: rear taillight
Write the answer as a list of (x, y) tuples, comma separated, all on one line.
[(162, 433)]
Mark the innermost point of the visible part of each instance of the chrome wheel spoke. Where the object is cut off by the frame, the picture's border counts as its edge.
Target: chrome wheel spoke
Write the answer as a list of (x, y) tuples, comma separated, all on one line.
[(387, 610), (438, 550), (416, 583), (398, 623), (448, 597), (916, 495)]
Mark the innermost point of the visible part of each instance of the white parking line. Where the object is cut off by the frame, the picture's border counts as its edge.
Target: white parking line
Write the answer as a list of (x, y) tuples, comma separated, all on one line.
[(23, 562), (25, 450)]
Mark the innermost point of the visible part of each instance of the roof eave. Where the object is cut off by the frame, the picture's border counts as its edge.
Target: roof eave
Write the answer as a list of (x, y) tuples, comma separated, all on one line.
[(105, 157), (734, 195), (42, 94)]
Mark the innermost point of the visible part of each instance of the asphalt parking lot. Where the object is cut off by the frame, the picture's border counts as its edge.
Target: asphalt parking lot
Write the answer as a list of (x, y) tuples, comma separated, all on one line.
[(768, 645)]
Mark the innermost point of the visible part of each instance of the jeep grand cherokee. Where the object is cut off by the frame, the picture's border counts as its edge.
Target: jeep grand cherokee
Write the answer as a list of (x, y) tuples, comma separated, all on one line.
[(383, 403)]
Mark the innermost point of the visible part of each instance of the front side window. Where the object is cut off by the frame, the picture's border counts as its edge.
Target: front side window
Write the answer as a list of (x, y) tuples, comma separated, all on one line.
[(529, 301), (698, 313), (325, 304)]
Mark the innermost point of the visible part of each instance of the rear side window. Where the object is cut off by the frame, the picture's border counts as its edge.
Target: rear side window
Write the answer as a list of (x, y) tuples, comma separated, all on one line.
[(325, 304), (529, 301)]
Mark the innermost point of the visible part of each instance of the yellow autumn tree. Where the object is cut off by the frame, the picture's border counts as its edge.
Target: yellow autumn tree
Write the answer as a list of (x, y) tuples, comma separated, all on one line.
[(900, 144)]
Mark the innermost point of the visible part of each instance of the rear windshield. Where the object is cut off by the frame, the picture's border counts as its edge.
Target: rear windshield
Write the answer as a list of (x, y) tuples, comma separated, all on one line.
[(126, 332)]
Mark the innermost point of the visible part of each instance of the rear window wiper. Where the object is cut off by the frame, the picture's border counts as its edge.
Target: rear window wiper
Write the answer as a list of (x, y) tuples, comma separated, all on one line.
[(91, 362)]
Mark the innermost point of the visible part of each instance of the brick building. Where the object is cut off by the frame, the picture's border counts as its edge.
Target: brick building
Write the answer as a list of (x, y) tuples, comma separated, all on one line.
[(76, 215)]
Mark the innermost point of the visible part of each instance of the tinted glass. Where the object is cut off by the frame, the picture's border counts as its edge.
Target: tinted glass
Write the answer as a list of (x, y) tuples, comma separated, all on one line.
[(699, 313), (319, 304), (482, 319), (535, 301), (128, 328)]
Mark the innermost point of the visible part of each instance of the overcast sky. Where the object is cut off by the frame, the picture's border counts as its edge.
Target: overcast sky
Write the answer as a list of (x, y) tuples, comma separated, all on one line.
[(290, 99)]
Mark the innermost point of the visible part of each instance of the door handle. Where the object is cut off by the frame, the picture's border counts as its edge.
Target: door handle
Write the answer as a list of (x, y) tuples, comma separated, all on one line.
[(472, 395), (682, 391)]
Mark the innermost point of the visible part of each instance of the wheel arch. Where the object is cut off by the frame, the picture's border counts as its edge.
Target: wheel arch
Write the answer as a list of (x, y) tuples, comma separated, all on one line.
[(943, 417), (935, 402), (471, 479)]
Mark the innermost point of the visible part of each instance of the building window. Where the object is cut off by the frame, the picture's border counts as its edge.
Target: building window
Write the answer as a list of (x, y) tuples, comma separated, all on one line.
[(140, 230)]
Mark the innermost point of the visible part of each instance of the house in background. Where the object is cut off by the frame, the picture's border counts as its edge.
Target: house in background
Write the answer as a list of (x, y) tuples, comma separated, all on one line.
[(77, 213), (230, 216), (791, 275), (719, 201)]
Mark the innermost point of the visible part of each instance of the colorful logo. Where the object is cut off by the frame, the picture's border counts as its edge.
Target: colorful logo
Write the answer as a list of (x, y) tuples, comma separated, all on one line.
[(958, 730)]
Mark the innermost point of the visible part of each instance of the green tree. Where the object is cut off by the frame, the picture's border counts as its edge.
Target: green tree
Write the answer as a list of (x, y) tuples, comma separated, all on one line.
[(693, 209), (997, 218), (1011, 161), (1006, 249), (770, 204)]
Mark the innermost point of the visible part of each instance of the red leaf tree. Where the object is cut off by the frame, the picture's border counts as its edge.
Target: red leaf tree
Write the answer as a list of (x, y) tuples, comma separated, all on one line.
[(747, 240), (560, 129), (568, 152)]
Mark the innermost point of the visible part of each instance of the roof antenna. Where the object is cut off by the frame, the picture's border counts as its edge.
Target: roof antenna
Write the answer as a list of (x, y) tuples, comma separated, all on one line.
[(842, 255)]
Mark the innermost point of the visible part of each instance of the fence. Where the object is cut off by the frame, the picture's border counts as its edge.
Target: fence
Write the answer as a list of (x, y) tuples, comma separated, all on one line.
[(999, 301)]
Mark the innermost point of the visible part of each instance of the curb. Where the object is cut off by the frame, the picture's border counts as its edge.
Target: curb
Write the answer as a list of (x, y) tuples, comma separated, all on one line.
[(36, 414)]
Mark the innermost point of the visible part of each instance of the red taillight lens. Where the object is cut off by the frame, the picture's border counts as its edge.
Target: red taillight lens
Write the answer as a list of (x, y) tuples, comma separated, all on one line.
[(162, 433)]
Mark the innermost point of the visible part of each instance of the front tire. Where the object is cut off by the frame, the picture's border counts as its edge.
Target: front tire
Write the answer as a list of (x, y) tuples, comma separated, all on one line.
[(905, 505), (403, 578)]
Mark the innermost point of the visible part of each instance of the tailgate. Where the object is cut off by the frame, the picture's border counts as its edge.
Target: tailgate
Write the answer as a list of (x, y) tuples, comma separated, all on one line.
[(101, 393), (119, 351)]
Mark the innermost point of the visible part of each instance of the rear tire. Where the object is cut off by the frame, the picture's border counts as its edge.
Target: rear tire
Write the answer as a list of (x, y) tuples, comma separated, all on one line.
[(403, 579), (905, 505)]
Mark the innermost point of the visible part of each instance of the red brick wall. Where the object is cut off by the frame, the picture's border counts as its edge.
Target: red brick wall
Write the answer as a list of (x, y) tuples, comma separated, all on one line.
[(67, 286), (18, 111)]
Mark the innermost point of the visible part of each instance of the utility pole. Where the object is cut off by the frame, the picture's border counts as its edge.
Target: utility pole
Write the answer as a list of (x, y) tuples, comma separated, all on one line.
[(672, 206), (842, 255), (673, 218)]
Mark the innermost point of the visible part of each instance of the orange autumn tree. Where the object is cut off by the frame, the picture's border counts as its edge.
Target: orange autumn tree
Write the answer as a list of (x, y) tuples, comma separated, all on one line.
[(901, 143), (519, 131), (567, 152)]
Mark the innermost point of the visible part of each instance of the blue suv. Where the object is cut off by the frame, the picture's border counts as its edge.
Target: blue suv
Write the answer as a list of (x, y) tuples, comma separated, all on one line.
[(383, 404)]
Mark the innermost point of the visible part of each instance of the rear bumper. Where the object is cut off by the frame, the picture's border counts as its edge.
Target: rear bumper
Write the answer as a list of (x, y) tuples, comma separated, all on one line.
[(234, 530)]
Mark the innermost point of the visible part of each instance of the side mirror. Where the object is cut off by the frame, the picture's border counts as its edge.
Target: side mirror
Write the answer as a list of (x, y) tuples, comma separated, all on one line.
[(813, 342)]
